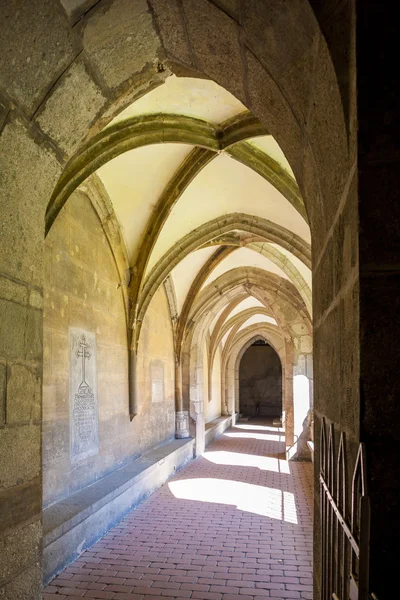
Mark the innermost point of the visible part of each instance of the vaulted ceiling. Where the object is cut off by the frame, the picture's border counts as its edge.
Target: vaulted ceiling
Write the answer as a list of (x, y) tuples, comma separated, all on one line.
[(203, 193)]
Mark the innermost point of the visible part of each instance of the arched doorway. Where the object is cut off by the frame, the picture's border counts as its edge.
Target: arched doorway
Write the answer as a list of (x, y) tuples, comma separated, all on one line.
[(260, 382)]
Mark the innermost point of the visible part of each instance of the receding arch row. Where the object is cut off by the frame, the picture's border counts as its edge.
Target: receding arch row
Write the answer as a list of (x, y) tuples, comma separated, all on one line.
[(234, 323), (232, 326), (276, 294), (270, 285), (264, 229)]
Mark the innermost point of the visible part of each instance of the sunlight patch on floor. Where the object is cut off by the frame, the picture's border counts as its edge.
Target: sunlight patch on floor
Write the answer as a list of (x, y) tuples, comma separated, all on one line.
[(264, 463), (259, 427), (266, 437), (263, 501)]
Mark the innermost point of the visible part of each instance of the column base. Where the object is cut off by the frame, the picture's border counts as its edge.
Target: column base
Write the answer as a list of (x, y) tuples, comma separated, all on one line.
[(182, 425)]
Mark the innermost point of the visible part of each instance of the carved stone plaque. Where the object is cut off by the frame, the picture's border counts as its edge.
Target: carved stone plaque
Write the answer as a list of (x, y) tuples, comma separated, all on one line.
[(84, 430), (157, 380)]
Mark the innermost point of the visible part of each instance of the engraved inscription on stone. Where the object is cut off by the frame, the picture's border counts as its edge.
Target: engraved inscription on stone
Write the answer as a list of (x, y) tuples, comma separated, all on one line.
[(157, 380), (84, 435)]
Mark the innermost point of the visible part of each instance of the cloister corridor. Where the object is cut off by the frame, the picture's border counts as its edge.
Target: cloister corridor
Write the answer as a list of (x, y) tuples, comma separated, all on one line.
[(236, 523), (199, 225)]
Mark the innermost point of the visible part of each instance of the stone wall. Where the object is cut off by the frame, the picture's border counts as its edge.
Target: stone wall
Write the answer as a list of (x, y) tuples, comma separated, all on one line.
[(293, 68), (260, 382), (81, 291)]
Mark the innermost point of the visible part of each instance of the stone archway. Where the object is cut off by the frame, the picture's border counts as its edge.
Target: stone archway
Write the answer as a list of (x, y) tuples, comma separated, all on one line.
[(95, 61)]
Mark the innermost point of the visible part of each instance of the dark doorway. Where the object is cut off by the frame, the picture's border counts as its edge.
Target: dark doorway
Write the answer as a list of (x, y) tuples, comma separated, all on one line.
[(260, 382)]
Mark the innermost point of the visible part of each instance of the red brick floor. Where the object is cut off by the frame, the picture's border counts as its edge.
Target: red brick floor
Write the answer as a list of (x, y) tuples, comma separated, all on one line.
[(235, 524)]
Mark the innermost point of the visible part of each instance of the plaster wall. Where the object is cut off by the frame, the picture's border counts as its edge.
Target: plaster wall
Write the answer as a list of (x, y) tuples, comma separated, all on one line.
[(260, 381)]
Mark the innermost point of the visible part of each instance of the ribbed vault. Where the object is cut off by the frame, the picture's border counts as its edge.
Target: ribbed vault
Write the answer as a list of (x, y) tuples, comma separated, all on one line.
[(201, 205)]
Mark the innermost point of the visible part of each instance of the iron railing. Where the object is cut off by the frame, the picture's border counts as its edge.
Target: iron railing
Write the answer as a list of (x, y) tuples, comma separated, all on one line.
[(344, 537)]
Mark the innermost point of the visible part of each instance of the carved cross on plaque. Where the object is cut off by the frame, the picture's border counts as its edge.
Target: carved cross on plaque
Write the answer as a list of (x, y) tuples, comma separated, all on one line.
[(84, 352)]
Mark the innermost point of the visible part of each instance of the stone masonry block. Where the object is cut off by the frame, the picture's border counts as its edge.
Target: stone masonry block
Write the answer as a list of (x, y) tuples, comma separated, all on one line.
[(120, 40), (11, 290), (36, 43), (23, 395), (27, 584), (3, 385), (217, 48), (20, 452), (25, 189), (13, 319), (78, 95), (270, 106), (19, 549), (76, 8), (169, 21)]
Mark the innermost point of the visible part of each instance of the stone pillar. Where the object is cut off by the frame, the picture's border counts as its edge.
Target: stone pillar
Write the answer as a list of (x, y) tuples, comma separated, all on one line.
[(198, 417), (182, 424)]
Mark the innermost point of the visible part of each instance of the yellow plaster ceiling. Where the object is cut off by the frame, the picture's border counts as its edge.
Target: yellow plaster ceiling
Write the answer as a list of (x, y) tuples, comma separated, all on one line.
[(243, 257), (188, 96), (225, 186), (135, 181), (185, 272), (255, 319)]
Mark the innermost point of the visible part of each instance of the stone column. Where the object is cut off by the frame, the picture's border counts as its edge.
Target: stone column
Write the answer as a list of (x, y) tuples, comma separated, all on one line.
[(182, 424), (198, 417)]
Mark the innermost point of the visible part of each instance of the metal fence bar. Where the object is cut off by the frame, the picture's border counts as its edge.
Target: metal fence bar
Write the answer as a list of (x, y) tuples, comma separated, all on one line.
[(344, 545)]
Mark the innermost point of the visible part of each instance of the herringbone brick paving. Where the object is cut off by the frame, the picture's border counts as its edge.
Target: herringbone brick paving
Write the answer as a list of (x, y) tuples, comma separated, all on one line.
[(235, 524)]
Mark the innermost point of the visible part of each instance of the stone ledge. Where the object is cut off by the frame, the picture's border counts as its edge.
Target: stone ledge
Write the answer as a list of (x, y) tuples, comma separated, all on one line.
[(76, 523), (215, 428)]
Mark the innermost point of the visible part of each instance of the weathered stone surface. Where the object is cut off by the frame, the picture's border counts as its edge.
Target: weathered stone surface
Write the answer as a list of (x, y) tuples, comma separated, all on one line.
[(76, 8), (327, 134), (34, 335), (36, 43), (3, 387), (269, 105), (19, 549), (35, 299), (11, 290), (350, 363), (4, 108), (12, 339), (169, 20), (120, 40), (270, 28), (27, 584), (213, 45), (229, 6), (327, 361), (20, 449), (23, 395), (76, 94), (288, 57), (25, 189)]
